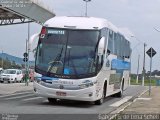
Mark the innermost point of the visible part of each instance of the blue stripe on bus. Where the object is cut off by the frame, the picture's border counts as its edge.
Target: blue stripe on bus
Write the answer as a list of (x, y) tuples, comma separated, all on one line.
[(47, 78), (120, 65)]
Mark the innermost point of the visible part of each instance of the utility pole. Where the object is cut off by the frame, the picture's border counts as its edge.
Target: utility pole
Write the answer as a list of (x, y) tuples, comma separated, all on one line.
[(28, 50), (86, 6), (26, 58), (2, 59), (26, 70), (138, 69), (144, 71)]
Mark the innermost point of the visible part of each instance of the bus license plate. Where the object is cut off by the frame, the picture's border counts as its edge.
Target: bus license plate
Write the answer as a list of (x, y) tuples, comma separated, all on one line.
[(60, 93)]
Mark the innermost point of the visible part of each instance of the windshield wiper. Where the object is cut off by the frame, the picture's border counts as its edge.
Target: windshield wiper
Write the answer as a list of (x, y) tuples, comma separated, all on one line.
[(71, 60), (56, 60), (74, 68)]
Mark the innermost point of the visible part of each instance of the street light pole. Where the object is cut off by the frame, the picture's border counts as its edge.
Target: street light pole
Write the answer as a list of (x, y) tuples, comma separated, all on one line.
[(86, 6), (28, 50), (144, 71), (2, 59), (138, 69)]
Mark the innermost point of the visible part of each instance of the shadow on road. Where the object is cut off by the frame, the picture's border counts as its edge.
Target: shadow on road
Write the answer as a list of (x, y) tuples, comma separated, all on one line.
[(71, 103)]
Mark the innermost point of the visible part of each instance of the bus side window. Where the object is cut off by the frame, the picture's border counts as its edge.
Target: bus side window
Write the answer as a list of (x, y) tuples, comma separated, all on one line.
[(126, 55), (108, 52), (123, 47), (118, 45), (115, 43), (128, 49), (111, 42)]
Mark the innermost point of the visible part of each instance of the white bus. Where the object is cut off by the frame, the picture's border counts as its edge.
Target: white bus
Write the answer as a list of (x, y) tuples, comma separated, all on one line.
[(81, 58)]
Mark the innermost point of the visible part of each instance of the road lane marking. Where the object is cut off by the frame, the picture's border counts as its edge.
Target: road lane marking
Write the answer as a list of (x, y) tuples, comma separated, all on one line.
[(11, 98), (45, 101), (14, 94), (118, 103), (34, 98), (144, 98)]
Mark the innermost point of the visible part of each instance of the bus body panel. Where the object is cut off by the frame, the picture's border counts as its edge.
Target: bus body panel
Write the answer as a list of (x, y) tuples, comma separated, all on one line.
[(113, 74)]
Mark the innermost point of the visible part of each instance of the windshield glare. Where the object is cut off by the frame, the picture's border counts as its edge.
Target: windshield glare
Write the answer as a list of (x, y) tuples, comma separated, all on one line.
[(67, 52)]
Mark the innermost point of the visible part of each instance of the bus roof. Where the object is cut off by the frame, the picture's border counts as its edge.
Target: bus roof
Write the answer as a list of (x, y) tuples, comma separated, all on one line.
[(81, 23)]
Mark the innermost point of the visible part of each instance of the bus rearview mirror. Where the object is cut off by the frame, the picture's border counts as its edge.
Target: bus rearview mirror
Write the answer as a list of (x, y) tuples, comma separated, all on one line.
[(32, 39), (101, 46)]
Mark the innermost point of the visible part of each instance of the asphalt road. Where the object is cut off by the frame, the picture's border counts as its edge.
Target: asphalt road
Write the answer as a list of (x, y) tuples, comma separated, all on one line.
[(28, 106)]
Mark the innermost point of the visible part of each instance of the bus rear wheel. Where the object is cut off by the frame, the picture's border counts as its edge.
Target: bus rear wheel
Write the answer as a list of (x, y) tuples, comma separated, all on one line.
[(52, 100), (119, 94)]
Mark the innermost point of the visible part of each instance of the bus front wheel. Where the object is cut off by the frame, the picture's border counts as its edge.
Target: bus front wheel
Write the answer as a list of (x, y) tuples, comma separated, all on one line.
[(100, 101)]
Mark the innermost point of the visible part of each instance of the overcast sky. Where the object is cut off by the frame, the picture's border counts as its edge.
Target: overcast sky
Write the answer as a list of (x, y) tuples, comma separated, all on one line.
[(137, 16)]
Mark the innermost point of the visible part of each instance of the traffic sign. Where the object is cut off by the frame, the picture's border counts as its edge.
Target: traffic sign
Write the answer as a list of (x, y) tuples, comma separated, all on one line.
[(151, 52), (25, 59), (25, 54)]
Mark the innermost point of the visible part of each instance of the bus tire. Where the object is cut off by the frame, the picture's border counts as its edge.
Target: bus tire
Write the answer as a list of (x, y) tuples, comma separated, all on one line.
[(119, 94), (100, 101), (52, 100)]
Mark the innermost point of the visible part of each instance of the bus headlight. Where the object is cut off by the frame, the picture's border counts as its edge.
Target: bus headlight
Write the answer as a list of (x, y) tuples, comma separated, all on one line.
[(86, 84)]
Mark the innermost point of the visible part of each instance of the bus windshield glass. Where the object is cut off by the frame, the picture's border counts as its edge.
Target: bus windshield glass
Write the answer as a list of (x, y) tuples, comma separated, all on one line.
[(64, 52)]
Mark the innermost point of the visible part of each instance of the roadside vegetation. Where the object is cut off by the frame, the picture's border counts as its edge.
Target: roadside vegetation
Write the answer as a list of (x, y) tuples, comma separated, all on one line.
[(146, 82), (7, 64), (154, 81)]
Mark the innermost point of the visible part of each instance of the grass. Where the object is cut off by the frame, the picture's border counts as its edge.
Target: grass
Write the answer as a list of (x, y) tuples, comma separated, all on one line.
[(146, 82)]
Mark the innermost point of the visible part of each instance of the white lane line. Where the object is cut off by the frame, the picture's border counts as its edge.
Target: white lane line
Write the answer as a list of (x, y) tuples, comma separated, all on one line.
[(34, 98), (14, 94), (19, 97), (144, 98), (45, 101), (118, 103)]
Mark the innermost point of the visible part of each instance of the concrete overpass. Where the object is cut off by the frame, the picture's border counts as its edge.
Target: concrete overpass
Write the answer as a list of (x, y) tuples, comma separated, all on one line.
[(23, 11)]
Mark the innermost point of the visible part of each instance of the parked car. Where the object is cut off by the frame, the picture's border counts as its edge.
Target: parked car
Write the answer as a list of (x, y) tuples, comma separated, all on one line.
[(11, 75)]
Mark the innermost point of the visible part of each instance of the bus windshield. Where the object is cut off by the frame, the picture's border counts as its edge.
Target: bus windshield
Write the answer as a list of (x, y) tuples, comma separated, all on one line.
[(67, 53)]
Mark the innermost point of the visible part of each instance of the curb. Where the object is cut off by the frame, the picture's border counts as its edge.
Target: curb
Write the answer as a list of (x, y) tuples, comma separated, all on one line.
[(130, 101), (142, 94)]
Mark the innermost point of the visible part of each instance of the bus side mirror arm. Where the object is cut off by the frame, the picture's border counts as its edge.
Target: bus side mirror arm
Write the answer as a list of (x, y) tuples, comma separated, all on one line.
[(108, 52), (101, 46)]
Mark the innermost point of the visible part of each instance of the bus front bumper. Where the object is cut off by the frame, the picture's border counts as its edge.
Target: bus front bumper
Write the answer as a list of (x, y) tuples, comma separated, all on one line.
[(86, 94)]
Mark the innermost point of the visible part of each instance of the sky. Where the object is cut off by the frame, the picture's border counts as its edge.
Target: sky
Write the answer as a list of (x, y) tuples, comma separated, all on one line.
[(137, 17)]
